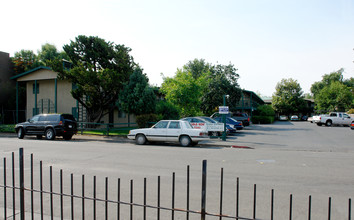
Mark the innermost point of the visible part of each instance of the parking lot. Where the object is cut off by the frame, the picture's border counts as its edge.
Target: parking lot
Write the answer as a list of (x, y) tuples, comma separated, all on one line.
[(296, 158)]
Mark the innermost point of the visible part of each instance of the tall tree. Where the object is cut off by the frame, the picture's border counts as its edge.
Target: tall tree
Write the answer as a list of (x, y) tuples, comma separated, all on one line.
[(137, 96), (335, 97), (327, 79), (197, 67), (221, 81), (99, 71), (199, 86), (288, 97), (184, 91), (49, 52), (25, 60), (333, 92)]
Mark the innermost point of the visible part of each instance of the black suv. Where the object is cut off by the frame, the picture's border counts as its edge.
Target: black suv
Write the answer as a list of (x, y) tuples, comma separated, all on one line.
[(49, 125)]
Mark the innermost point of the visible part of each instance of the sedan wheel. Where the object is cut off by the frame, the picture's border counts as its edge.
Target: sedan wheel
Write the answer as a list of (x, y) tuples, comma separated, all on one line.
[(140, 139), (185, 141), (49, 134)]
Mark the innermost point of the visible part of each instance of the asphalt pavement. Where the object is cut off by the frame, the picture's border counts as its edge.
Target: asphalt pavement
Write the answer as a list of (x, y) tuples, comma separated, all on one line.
[(295, 158)]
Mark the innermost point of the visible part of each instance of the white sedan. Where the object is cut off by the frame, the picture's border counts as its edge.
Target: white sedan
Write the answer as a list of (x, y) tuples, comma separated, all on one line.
[(169, 131)]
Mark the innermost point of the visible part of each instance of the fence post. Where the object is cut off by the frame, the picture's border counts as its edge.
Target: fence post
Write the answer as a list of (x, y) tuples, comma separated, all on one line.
[(204, 178), (22, 187)]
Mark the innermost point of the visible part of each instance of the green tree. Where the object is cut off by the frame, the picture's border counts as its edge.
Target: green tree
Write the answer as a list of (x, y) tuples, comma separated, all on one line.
[(99, 72), (288, 97), (167, 110), (137, 96), (197, 67), (327, 79), (335, 97), (25, 60), (184, 91), (222, 80), (49, 52), (198, 87), (333, 92)]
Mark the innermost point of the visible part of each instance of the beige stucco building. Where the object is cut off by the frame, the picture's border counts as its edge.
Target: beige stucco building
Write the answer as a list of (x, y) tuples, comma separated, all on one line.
[(45, 93)]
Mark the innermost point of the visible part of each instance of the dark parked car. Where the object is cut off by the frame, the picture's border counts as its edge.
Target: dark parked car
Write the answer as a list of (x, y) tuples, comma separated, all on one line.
[(236, 124), (49, 125), (243, 117)]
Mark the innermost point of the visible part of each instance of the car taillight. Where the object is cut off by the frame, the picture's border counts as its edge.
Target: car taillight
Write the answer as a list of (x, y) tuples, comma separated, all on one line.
[(202, 134), (248, 119), (61, 123)]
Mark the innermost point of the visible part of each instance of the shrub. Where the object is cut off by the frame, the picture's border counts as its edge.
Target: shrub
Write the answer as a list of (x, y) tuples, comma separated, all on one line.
[(263, 115), (351, 111), (145, 120), (263, 119), (265, 110), (167, 110), (7, 128)]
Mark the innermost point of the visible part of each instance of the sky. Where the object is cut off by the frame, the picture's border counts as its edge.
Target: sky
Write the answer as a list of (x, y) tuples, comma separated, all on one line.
[(266, 40)]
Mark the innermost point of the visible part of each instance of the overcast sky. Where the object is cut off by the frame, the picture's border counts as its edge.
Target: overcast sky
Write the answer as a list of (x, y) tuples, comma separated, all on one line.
[(266, 40)]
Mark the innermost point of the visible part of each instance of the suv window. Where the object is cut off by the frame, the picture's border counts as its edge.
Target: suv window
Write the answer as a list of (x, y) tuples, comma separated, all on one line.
[(52, 118), (69, 117), (35, 118), (43, 118)]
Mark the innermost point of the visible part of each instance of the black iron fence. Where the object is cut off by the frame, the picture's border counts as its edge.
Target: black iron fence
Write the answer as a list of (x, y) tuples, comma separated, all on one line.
[(22, 200)]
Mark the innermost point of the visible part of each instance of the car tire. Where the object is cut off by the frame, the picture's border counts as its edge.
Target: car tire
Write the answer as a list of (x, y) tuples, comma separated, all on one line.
[(329, 123), (185, 141), (140, 139), (21, 133), (67, 137), (39, 136), (49, 134)]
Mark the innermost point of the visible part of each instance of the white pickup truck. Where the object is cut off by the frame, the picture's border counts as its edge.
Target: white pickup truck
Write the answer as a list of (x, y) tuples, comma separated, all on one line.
[(334, 118)]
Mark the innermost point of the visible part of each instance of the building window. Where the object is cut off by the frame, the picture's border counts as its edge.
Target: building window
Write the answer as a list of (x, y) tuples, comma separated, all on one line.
[(34, 88)]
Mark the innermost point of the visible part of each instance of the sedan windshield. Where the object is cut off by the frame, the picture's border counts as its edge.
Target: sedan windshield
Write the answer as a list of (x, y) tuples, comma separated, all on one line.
[(161, 124)]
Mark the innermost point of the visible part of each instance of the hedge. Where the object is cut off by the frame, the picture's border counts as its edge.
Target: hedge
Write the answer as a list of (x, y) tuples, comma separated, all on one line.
[(262, 119)]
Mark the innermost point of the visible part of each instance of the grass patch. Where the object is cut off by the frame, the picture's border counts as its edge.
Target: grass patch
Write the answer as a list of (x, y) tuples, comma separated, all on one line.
[(113, 131), (7, 128)]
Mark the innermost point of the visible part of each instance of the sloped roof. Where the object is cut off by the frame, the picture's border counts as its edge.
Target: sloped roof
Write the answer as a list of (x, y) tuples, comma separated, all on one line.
[(30, 71)]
